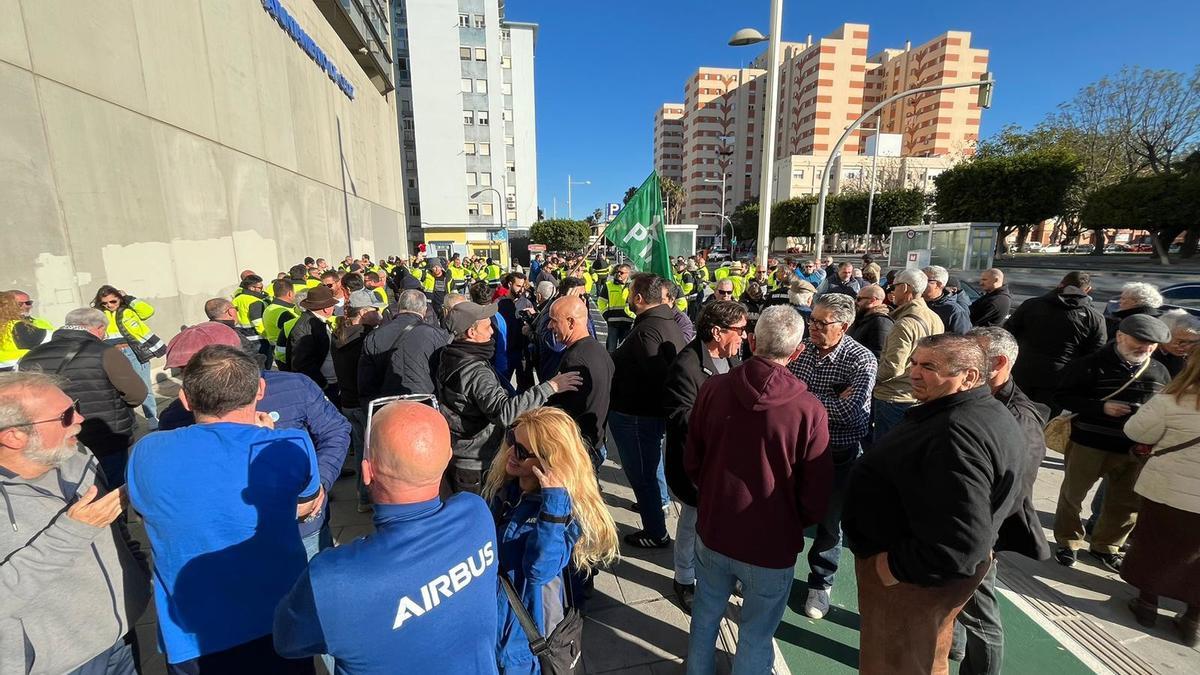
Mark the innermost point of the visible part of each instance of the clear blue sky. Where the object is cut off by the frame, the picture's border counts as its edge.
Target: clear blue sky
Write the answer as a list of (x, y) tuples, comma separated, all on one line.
[(603, 67)]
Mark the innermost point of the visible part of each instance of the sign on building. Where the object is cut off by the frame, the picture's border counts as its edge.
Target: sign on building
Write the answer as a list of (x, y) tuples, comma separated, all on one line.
[(889, 145)]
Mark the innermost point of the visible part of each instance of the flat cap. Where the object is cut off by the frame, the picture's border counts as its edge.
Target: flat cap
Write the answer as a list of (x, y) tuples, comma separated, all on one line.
[(1145, 328)]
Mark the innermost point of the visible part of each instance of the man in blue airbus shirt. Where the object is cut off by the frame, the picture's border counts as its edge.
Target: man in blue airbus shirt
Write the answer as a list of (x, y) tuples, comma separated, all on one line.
[(418, 595), (220, 500)]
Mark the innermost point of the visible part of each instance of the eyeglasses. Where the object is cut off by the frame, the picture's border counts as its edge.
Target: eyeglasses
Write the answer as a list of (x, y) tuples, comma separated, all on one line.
[(822, 324), (66, 419), (740, 330), (522, 452)]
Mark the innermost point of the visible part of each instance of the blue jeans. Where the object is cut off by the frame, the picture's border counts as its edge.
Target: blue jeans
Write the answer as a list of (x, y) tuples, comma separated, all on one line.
[(765, 593), (639, 442), (887, 416), (118, 659), (685, 545), (150, 405), (979, 632), (827, 544)]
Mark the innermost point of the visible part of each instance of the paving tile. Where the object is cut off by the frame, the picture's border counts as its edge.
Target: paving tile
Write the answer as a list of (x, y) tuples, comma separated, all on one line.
[(626, 636)]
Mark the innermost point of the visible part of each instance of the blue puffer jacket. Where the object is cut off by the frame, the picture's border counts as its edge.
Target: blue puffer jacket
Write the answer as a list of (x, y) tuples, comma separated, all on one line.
[(537, 535), (301, 405)]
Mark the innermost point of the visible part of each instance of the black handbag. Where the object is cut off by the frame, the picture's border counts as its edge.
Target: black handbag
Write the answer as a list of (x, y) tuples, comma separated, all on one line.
[(560, 653)]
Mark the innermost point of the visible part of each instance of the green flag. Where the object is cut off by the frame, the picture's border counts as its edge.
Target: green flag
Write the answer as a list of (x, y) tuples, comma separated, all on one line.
[(638, 230)]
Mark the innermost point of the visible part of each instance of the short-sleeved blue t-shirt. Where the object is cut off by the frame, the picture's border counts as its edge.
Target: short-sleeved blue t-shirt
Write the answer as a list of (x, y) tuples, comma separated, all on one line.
[(219, 503)]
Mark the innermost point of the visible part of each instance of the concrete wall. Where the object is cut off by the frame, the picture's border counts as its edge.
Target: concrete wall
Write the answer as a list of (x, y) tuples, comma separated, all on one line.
[(524, 124), (162, 147)]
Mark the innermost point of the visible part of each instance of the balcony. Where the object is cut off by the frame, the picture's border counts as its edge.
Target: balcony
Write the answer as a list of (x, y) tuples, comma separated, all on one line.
[(363, 26)]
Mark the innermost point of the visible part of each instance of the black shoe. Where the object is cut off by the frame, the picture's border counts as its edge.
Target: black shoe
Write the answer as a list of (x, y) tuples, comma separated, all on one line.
[(685, 593), (1066, 556), (640, 539), (1109, 561)]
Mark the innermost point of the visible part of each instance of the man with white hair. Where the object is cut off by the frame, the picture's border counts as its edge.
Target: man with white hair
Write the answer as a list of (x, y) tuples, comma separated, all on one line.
[(1137, 297), (912, 320), (1185, 339), (100, 379), (955, 317), (69, 586), (760, 423), (800, 297), (397, 357)]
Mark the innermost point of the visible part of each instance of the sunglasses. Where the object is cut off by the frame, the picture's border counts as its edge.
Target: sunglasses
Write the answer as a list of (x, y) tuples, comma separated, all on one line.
[(724, 292), (66, 419), (113, 303), (522, 452), (27, 303), (740, 330)]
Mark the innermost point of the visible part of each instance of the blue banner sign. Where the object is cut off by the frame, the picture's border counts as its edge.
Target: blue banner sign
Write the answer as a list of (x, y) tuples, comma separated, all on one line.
[(288, 23)]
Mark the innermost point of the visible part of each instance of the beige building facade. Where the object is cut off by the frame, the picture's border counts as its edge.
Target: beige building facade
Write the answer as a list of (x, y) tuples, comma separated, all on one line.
[(825, 85), (163, 147)]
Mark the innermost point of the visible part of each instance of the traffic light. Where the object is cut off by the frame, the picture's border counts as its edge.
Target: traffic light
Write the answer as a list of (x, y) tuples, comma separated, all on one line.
[(985, 91)]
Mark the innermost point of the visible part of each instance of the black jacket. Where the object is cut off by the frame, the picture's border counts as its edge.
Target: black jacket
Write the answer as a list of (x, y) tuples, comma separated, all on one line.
[(870, 329), (100, 378), (687, 372), (1021, 532), (642, 360), (400, 357), (1088, 379), (1052, 330), (991, 309), (347, 348), (934, 491), (1112, 321), (308, 347)]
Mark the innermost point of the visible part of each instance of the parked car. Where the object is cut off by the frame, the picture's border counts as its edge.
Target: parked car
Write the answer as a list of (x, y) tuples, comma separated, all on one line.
[(1117, 248), (1032, 247), (1143, 248), (1084, 248), (718, 255), (1185, 296)]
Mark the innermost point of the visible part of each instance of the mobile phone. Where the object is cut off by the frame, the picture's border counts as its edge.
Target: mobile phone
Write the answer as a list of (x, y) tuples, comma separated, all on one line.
[(377, 404)]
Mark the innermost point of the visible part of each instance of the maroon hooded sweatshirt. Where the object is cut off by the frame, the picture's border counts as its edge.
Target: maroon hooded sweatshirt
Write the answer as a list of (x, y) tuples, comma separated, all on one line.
[(756, 451)]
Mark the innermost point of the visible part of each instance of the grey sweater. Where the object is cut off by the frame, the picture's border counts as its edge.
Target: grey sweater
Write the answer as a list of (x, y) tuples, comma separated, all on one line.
[(68, 591)]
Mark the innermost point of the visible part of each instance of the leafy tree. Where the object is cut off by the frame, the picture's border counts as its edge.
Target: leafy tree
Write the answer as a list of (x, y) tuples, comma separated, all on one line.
[(560, 234), (1017, 191), (745, 220), (674, 198), (791, 217), (846, 213), (1164, 204), (629, 194)]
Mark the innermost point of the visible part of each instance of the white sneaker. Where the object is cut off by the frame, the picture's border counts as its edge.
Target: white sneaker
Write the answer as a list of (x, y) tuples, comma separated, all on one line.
[(816, 606)]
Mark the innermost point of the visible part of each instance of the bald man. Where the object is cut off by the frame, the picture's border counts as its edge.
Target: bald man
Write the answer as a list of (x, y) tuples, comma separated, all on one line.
[(991, 308), (872, 321), (421, 590), (585, 355)]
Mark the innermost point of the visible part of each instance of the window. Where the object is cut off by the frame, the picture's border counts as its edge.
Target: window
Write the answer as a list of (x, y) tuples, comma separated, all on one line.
[(464, 20), (511, 166), (507, 115), (412, 183), (472, 209), (471, 178), (480, 54), (468, 148), (482, 117), (485, 178), (408, 122), (402, 64), (508, 140), (466, 85), (506, 88), (468, 117), (506, 62), (480, 86), (464, 53), (414, 209), (799, 175), (485, 149), (485, 208), (479, 23), (511, 215)]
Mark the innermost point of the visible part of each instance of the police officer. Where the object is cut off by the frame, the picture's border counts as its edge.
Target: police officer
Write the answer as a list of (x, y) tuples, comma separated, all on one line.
[(251, 305), (281, 311), (613, 303)]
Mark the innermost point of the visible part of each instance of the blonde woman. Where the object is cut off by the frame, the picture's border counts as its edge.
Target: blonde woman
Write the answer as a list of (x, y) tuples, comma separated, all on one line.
[(549, 514), (1164, 556)]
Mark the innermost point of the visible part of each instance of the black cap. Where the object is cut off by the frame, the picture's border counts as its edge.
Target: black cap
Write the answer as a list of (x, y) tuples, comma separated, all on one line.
[(1145, 328)]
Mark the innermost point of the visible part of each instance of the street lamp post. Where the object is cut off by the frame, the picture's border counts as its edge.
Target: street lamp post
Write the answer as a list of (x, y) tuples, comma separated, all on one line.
[(500, 215), (569, 184), (724, 220), (749, 36), (985, 101), (871, 198)]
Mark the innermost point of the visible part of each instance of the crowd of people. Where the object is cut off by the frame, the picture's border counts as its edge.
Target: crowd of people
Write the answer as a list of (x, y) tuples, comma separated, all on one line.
[(888, 413)]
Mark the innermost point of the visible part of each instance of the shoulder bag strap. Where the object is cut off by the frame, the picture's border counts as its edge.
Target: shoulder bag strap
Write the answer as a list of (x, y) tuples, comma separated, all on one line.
[(69, 357), (1142, 369), (537, 643), (1176, 448)]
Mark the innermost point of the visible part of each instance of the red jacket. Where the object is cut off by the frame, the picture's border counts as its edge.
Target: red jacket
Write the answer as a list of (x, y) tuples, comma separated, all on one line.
[(756, 451)]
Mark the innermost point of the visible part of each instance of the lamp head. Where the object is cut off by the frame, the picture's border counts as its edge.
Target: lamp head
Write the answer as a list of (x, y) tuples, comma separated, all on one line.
[(746, 36)]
